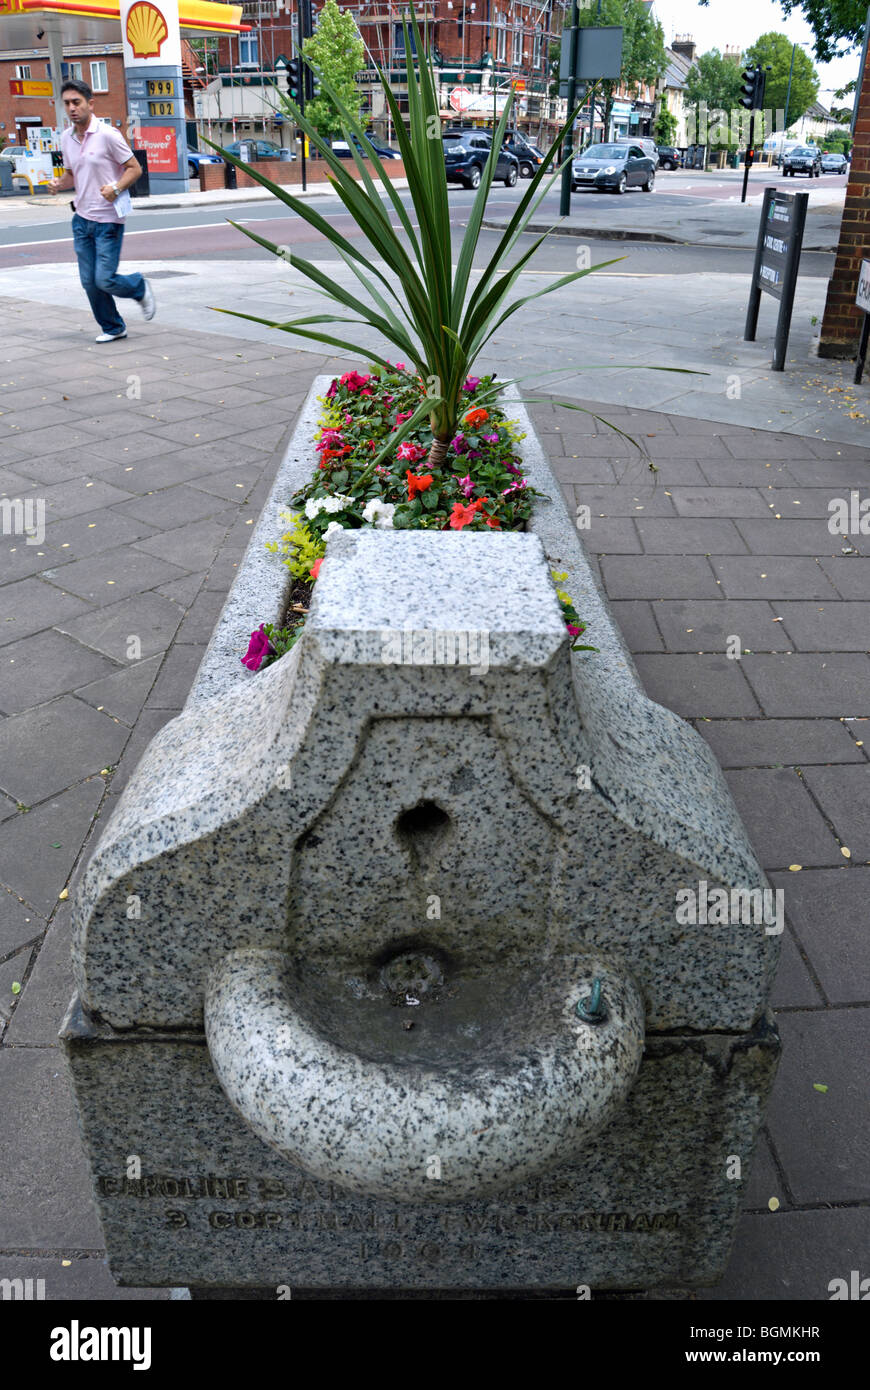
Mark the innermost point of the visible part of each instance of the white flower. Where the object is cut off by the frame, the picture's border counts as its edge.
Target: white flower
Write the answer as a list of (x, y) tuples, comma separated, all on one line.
[(332, 529), (333, 504), (379, 513), (312, 506)]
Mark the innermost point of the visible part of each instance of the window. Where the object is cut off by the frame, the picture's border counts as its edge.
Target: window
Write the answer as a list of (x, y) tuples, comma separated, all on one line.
[(249, 49), (99, 77), (536, 53), (500, 37), (22, 72), (75, 71), (517, 56), (399, 39)]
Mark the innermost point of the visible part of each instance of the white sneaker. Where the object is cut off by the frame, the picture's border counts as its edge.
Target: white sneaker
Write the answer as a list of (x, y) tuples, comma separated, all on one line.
[(109, 337), (148, 303)]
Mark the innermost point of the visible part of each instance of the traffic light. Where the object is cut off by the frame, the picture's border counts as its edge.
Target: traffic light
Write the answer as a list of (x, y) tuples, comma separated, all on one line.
[(312, 86), (294, 79), (749, 88)]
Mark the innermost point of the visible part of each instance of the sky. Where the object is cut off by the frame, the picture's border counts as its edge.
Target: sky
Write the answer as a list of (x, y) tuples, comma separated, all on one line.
[(738, 23)]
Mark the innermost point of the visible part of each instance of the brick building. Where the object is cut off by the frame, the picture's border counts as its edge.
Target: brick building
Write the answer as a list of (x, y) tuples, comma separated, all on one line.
[(841, 324), (102, 67), (480, 49)]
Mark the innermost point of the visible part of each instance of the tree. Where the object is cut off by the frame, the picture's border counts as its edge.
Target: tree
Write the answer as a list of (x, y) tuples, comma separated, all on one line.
[(643, 48), (336, 50), (830, 21), (838, 141), (843, 114), (776, 50), (714, 81), (666, 127)]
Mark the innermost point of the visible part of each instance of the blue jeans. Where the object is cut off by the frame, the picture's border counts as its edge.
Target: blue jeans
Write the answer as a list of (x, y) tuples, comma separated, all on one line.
[(98, 248)]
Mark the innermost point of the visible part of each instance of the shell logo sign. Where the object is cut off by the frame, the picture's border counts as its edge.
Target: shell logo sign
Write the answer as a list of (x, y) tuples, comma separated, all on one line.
[(146, 29)]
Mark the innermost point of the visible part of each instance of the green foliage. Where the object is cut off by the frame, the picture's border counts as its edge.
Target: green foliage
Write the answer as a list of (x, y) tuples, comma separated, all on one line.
[(837, 141), (666, 127), (643, 46), (337, 50), (714, 80), (776, 50), (423, 298), (281, 641), (299, 546), (831, 21)]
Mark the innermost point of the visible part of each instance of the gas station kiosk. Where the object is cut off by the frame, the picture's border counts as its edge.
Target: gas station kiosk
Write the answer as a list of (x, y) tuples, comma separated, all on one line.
[(150, 32)]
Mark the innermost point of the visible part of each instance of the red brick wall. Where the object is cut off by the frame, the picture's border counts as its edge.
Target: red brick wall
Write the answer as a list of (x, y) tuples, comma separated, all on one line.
[(841, 323), (112, 103), (284, 172)]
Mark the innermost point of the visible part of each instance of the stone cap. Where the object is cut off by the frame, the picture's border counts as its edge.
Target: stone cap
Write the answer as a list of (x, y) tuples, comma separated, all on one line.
[(435, 598)]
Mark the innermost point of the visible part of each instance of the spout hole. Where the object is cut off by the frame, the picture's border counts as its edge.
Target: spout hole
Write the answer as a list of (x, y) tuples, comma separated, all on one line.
[(423, 823)]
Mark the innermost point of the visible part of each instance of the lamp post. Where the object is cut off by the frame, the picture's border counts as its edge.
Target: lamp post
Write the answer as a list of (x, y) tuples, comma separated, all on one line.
[(788, 96)]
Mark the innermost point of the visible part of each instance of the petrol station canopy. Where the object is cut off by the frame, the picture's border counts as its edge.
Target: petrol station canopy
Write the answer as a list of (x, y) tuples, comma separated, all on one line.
[(84, 22)]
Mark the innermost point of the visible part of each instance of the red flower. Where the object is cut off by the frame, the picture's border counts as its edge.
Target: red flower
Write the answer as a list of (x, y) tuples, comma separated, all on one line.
[(476, 417), (417, 483), (353, 381), (462, 516), (315, 568)]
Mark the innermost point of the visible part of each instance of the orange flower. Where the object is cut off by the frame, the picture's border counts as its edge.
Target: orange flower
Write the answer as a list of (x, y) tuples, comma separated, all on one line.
[(417, 483), (476, 417), (462, 516)]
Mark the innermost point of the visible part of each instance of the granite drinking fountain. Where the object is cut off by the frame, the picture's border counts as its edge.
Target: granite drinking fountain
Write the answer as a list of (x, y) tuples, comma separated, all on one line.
[(380, 979)]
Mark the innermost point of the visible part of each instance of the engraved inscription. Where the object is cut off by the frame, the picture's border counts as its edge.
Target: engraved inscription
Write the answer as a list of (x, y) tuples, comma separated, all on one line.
[(321, 1206)]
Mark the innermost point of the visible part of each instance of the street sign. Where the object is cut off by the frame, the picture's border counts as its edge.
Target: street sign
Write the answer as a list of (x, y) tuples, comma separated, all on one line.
[(862, 299), (460, 97), (599, 55), (777, 257)]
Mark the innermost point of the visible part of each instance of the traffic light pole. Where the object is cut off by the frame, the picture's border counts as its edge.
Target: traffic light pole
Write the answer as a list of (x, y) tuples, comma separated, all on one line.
[(306, 29), (567, 151), (749, 153)]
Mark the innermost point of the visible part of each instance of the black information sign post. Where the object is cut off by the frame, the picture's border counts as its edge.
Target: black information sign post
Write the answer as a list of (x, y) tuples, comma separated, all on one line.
[(777, 256)]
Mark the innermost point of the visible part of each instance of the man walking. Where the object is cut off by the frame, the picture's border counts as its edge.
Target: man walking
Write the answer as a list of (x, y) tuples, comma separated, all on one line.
[(100, 166)]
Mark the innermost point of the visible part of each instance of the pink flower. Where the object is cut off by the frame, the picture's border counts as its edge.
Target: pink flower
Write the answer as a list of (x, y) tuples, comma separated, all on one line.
[(575, 631), (466, 485), (471, 383), (258, 648), (458, 444), (332, 390), (490, 438), (353, 381), (515, 487), (329, 439), (348, 418), (402, 416), (410, 452)]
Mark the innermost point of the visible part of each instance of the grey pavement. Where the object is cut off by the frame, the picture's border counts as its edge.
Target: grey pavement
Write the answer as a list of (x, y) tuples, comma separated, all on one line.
[(606, 338), (154, 456), (691, 218)]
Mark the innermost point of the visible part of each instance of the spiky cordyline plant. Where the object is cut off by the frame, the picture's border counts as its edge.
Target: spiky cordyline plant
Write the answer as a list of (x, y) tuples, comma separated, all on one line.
[(422, 306)]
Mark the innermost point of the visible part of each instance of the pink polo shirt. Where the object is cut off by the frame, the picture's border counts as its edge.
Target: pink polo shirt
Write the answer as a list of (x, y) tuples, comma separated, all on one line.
[(95, 160)]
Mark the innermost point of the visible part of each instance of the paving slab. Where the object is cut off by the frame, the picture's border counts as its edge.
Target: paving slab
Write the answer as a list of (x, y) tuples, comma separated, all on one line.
[(47, 749), (832, 684), (697, 686), (135, 628), (843, 793), (19, 923), (783, 742), (35, 669), (784, 824), (827, 909), (39, 848), (45, 1198), (835, 1165)]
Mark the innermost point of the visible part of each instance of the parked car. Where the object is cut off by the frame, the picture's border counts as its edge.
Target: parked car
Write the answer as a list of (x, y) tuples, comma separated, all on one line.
[(13, 151), (196, 157), (803, 159), (528, 157), (614, 167), (834, 163), (465, 156), (259, 149), (342, 149), (669, 157)]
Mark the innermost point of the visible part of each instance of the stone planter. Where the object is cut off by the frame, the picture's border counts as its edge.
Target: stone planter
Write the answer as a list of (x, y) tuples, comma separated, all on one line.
[(378, 962)]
